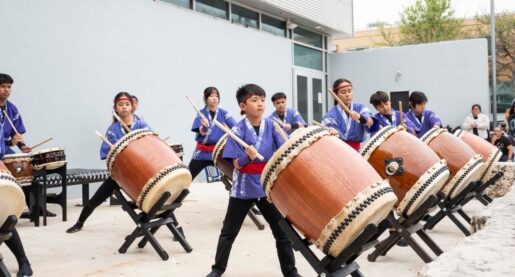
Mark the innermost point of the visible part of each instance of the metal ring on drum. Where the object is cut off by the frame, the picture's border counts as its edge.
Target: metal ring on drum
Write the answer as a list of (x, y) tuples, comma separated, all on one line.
[(145, 167), (413, 170), (464, 164), (329, 212), (490, 153)]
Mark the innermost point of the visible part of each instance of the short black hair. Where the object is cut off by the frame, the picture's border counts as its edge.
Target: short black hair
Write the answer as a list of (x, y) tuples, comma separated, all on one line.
[(208, 91), (6, 79), (133, 97), (378, 98), (338, 82), (278, 95), (476, 105), (416, 98), (249, 90)]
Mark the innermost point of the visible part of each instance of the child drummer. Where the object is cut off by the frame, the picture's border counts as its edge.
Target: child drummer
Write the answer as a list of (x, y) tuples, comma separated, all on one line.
[(423, 120), (259, 133), (289, 119), (124, 109), (387, 116)]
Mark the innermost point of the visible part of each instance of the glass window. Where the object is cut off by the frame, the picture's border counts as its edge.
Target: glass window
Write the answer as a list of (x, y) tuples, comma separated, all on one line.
[(216, 8), (243, 16), (317, 99), (302, 96), (272, 25), (307, 57), (308, 37), (181, 3), (505, 94)]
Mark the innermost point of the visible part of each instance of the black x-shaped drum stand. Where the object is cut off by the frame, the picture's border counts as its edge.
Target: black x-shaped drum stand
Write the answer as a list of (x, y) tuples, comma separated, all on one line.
[(405, 227), (342, 265), (252, 214), (448, 207), (147, 224), (5, 234)]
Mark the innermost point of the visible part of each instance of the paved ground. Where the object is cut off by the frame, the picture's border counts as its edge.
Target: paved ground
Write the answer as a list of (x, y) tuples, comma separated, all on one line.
[(93, 252)]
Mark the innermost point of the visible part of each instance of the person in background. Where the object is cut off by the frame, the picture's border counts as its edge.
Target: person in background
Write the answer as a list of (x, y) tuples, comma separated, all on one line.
[(477, 122), (501, 141)]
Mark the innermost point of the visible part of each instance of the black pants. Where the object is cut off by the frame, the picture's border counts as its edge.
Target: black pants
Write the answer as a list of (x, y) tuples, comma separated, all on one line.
[(104, 191), (236, 212), (15, 245), (196, 166)]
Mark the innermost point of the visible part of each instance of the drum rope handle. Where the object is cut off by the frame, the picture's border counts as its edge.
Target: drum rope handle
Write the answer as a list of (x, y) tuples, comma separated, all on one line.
[(127, 129), (235, 137), (344, 107), (104, 139)]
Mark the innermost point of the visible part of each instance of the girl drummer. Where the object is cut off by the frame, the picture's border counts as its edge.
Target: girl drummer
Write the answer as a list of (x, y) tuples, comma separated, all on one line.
[(123, 107), (207, 134)]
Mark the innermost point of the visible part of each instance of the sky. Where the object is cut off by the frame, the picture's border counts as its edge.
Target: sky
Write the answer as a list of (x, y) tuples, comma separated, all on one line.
[(370, 11)]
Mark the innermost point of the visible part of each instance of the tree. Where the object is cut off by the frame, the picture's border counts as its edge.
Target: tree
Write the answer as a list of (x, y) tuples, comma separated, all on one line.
[(426, 21)]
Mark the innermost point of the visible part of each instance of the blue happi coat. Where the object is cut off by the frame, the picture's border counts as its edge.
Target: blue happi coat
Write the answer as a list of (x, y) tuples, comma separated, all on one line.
[(429, 119), (349, 129), (382, 121), (116, 131), (9, 132), (290, 116)]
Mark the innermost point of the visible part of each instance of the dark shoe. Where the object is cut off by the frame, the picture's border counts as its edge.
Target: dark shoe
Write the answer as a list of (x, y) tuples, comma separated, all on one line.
[(25, 270), (50, 214), (25, 215), (75, 228), (402, 243), (214, 274)]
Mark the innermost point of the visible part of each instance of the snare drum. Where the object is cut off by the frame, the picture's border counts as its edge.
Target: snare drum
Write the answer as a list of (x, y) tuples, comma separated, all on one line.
[(12, 199), (145, 167), (178, 149), (20, 167), (490, 153), (325, 189), (50, 158), (225, 166), (464, 164), (415, 172)]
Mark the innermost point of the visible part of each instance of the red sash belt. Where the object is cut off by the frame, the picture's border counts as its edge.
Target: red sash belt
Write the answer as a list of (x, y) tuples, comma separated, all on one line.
[(205, 147), (253, 168), (354, 144)]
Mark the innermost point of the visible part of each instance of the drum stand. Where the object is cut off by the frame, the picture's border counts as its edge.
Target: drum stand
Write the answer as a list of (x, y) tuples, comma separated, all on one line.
[(147, 224), (5, 234), (450, 207), (342, 265), (252, 214), (405, 227), (39, 191)]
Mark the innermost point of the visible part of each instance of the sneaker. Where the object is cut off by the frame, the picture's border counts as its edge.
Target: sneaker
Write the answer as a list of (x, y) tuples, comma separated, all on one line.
[(214, 274), (25, 270), (50, 214), (75, 228)]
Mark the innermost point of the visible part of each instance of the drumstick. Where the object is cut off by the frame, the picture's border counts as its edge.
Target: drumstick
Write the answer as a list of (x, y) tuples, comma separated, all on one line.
[(401, 114), (196, 109), (319, 124), (235, 137), (41, 143), (280, 131), (279, 121), (344, 107), (103, 138), (9, 119), (165, 139), (127, 129)]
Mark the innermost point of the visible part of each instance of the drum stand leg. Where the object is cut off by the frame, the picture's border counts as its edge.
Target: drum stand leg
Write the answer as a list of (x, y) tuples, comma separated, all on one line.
[(147, 224), (251, 214), (405, 227), (42, 198), (5, 234), (342, 265)]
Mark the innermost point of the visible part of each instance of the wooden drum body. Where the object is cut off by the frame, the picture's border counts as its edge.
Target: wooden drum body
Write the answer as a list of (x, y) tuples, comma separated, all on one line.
[(12, 199), (414, 171), (225, 166), (464, 164), (19, 165), (490, 153), (145, 167), (50, 158), (325, 189)]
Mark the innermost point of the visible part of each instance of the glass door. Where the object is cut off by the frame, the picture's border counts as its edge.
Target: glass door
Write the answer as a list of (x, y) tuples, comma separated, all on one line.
[(310, 94)]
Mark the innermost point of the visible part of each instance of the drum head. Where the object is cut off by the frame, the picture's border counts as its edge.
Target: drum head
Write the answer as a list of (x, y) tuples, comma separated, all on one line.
[(17, 157), (12, 198), (49, 166), (218, 148)]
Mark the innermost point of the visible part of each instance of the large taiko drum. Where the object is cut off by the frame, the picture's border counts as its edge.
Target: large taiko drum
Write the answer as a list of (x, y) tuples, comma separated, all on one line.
[(225, 166), (490, 153), (325, 189), (145, 167), (414, 171), (12, 199), (20, 167), (464, 164)]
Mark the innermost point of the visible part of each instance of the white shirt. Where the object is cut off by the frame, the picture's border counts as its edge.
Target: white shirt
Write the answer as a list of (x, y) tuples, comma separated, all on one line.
[(483, 124)]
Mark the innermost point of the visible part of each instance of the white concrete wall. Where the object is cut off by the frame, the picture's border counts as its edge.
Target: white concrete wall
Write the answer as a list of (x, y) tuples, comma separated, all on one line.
[(453, 74), (70, 57)]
